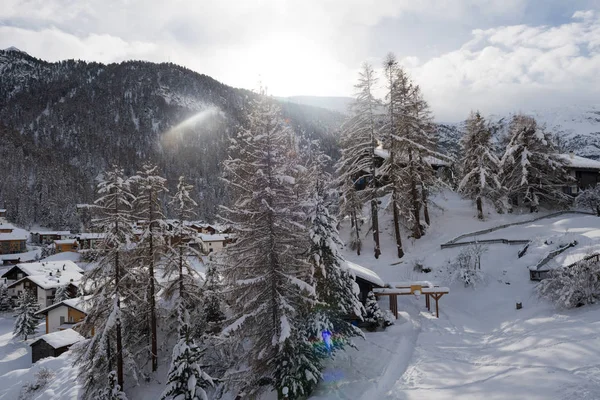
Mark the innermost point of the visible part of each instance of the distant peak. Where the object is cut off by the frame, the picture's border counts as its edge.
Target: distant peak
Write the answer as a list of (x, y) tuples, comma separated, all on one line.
[(13, 48)]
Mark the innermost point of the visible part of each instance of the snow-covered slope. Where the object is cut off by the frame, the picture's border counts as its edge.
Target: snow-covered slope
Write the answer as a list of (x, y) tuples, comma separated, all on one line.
[(481, 347)]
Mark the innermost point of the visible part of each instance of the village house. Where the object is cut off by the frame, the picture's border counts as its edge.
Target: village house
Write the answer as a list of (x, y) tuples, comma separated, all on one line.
[(64, 315), (212, 243), (207, 229), (89, 240), (64, 245), (54, 344), (12, 240), (584, 171), (47, 237), (43, 278), (2, 213)]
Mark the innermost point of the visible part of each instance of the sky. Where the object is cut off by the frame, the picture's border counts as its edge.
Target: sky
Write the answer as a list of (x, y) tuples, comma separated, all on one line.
[(496, 56)]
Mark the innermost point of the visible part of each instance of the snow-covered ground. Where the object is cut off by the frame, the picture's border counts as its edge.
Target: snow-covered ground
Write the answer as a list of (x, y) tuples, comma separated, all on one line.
[(481, 346)]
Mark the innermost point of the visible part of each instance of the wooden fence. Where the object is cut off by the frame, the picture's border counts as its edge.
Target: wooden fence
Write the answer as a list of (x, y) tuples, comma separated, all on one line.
[(455, 242)]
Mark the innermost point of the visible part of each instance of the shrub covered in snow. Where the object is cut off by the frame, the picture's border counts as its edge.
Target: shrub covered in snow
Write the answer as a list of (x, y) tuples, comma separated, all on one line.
[(574, 286), (590, 199), (466, 267), (26, 322), (42, 378), (373, 316), (5, 303)]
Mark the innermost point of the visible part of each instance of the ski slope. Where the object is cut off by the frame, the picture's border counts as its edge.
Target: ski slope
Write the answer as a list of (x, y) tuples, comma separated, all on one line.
[(481, 346)]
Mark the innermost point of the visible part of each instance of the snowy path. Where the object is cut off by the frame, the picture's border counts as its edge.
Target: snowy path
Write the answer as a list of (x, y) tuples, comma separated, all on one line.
[(552, 357), (371, 371)]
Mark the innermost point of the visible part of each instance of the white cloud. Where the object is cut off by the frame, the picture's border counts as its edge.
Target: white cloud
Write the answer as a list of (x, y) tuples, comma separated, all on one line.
[(316, 46), (515, 67)]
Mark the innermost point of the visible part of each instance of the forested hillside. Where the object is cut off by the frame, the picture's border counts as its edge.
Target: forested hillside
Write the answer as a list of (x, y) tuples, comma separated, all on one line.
[(64, 123)]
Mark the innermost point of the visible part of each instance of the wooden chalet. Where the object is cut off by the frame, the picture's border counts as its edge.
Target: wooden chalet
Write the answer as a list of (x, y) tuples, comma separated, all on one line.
[(43, 278), (12, 240), (2, 212), (47, 237), (64, 245), (64, 315), (54, 344), (584, 171), (89, 240)]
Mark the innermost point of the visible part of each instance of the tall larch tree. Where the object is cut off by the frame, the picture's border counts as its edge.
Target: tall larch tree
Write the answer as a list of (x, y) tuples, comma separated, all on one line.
[(151, 246), (265, 273), (531, 170), (336, 288), (359, 162), (106, 282), (396, 85), (479, 164)]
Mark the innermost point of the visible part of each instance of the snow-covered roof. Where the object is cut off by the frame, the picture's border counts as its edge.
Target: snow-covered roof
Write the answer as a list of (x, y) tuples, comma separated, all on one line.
[(65, 241), (47, 281), (90, 236), (16, 234), (61, 339), (212, 238), (44, 268), (78, 303), (2, 210), (23, 257), (54, 233), (580, 162), (383, 153), (365, 273)]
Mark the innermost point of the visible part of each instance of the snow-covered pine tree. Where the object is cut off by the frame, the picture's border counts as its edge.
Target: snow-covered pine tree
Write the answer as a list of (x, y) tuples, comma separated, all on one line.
[(107, 281), (62, 293), (265, 271), (5, 303), (26, 322), (183, 282), (151, 246), (337, 291), (589, 198), (186, 380), (480, 166), (113, 390), (213, 298), (358, 163), (373, 316), (350, 204), (531, 170)]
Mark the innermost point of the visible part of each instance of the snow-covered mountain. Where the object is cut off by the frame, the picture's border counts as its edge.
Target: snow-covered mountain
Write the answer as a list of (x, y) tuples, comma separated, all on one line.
[(63, 123), (577, 128), (337, 104)]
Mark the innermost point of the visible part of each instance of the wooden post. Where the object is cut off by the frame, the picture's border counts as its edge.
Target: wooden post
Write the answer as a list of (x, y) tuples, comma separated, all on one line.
[(437, 309), (394, 304), (427, 302)]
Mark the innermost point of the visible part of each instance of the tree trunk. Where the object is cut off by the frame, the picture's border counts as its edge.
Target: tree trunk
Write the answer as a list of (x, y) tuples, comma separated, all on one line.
[(425, 208), (598, 210), (118, 300), (397, 226), (375, 220), (153, 340), (414, 194), (355, 223), (479, 208)]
